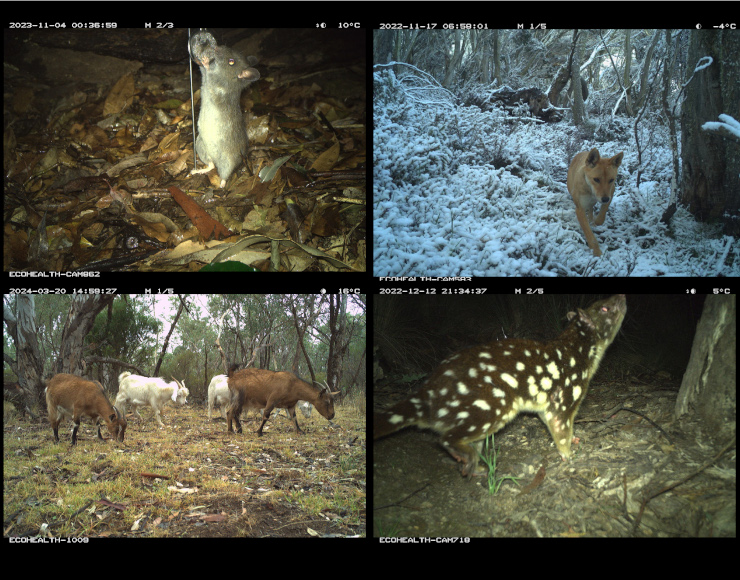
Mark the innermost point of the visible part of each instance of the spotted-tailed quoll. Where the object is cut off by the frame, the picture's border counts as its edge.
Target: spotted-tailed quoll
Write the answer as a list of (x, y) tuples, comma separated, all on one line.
[(477, 391)]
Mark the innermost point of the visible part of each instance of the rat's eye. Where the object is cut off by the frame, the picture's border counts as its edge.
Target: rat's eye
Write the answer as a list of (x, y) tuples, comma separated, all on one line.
[(231, 62)]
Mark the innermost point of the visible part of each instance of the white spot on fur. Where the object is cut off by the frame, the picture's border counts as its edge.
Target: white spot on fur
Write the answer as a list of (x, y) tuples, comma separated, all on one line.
[(554, 371), (509, 380)]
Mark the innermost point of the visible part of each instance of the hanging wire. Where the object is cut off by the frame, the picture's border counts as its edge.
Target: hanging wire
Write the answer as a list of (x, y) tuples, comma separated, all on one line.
[(192, 104)]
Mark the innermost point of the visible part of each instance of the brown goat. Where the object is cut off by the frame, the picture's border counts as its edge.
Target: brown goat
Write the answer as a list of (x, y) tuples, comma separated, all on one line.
[(267, 390), (70, 396)]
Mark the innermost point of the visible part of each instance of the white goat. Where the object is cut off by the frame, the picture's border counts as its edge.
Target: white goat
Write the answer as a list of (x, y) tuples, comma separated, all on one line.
[(304, 406), (70, 396), (153, 391), (219, 394)]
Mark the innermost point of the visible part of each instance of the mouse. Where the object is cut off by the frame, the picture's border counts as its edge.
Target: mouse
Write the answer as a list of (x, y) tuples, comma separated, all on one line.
[(222, 134)]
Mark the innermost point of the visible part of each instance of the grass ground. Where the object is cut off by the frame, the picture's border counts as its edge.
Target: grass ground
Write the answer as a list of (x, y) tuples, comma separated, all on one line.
[(189, 478)]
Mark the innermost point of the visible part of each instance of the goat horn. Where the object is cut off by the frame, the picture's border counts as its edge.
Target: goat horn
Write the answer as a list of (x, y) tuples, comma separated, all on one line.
[(325, 387)]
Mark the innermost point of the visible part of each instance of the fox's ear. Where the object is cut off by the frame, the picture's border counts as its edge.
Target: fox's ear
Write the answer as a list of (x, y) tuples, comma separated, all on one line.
[(593, 157), (617, 159)]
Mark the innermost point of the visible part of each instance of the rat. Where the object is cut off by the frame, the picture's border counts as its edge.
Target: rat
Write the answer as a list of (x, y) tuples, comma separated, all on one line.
[(222, 134)]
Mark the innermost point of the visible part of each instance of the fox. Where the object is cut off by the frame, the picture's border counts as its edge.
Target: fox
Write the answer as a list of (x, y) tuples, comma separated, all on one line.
[(591, 178)]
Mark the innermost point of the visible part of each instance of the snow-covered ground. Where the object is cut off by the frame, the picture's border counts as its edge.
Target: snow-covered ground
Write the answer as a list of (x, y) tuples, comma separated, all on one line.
[(463, 192)]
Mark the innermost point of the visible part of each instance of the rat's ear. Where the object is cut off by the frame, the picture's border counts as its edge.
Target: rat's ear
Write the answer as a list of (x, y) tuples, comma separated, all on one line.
[(202, 48), (250, 74)]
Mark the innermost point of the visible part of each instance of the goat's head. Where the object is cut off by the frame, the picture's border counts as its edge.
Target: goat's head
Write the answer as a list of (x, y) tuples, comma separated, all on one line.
[(180, 392), (325, 403), (117, 425)]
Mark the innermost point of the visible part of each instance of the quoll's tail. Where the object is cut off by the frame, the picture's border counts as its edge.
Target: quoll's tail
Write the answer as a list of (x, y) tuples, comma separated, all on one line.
[(397, 417)]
